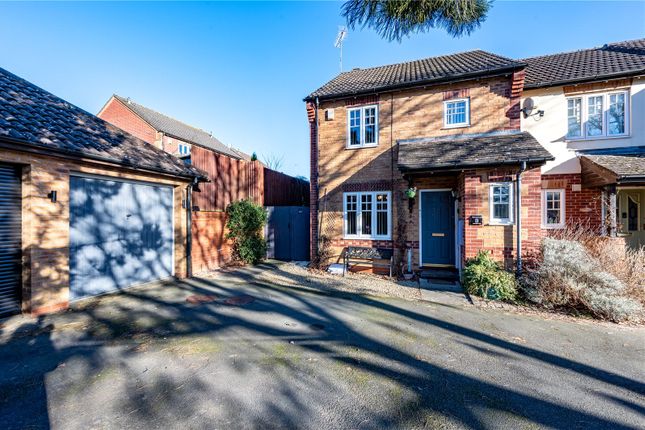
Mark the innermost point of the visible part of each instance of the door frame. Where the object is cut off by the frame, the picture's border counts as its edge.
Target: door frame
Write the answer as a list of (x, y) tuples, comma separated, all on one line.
[(454, 232)]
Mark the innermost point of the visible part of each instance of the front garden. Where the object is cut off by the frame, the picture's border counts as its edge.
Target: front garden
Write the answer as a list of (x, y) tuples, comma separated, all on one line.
[(576, 273)]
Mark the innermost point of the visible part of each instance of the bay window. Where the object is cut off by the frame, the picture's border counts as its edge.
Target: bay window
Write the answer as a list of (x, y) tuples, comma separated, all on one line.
[(598, 115), (367, 215), (553, 209), (501, 203), (362, 126)]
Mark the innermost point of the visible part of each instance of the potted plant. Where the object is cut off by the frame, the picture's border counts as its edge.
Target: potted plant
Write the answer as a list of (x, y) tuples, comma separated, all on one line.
[(411, 192)]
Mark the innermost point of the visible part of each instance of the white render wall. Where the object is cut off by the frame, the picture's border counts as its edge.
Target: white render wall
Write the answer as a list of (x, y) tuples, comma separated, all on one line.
[(551, 129)]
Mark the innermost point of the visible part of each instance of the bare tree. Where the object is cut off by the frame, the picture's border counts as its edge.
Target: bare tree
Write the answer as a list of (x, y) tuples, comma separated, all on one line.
[(273, 161)]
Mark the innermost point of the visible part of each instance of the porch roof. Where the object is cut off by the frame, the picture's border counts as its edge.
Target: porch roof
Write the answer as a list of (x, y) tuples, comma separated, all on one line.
[(470, 151), (608, 169)]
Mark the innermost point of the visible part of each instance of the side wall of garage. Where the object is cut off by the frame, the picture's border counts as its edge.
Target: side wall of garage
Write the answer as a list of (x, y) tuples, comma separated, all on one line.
[(45, 224)]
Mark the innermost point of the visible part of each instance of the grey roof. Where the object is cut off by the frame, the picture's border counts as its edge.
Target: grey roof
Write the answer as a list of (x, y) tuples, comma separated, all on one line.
[(473, 150), (611, 60), (624, 166), (180, 130), (34, 118), (444, 68)]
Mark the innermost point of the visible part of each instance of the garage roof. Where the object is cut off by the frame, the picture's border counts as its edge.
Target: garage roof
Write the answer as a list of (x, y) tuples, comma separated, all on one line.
[(470, 151), (36, 118)]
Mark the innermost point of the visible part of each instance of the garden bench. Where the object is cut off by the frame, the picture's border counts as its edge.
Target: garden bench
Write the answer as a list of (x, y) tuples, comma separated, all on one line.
[(377, 257)]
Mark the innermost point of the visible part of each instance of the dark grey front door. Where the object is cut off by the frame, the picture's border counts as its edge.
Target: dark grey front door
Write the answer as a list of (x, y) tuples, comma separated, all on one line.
[(121, 234), (437, 228)]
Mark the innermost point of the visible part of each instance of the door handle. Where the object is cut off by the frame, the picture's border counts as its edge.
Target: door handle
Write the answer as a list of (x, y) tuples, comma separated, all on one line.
[(438, 234)]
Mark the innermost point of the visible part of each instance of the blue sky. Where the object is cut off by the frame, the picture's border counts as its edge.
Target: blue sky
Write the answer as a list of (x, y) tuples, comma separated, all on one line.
[(241, 70)]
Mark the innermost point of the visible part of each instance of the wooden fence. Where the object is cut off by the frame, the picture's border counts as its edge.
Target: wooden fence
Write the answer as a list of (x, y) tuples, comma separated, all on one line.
[(233, 180)]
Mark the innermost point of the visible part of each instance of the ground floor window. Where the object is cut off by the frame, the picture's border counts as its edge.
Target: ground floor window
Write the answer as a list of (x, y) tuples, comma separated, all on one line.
[(367, 215), (501, 203), (553, 208)]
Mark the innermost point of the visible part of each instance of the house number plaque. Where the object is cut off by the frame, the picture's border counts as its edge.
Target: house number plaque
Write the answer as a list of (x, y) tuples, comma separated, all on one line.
[(475, 220)]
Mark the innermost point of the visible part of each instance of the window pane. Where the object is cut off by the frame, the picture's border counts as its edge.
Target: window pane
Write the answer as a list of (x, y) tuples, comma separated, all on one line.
[(594, 117), (366, 214), (616, 114), (456, 112), (352, 213), (574, 114), (500, 211), (553, 203), (355, 127), (381, 214), (370, 125)]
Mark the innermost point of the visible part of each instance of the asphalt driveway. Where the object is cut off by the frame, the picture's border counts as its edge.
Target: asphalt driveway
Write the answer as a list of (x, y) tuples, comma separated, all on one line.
[(244, 353)]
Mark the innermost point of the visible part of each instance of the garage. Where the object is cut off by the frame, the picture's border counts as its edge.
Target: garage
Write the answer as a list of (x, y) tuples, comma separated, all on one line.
[(10, 243), (121, 234)]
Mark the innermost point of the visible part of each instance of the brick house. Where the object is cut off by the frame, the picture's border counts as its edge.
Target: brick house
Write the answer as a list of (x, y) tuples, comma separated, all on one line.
[(446, 128), (85, 208), (587, 108), (234, 176)]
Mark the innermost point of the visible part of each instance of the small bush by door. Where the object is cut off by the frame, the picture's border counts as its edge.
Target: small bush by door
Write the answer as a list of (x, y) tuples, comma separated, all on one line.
[(245, 221)]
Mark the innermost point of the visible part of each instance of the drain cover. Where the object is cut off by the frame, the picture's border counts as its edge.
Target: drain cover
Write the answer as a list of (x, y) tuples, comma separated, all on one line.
[(239, 300), (196, 299)]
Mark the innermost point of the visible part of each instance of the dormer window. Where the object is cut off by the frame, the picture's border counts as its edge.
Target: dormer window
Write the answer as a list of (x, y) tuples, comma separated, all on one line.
[(362, 126), (183, 149), (456, 113)]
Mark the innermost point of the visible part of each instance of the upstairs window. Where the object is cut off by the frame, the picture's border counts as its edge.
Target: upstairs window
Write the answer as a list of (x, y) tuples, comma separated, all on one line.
[(598, 115), (456, 113), (362, 126), (501, 203), (367, 215), (183, 149)]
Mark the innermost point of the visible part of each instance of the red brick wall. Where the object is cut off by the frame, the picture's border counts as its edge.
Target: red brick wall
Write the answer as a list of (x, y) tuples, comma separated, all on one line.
[(116, 113), (583, 207), (501, 240)]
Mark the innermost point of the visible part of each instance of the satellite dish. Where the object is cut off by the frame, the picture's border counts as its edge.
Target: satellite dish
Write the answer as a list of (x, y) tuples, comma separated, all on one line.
[(528, 107)]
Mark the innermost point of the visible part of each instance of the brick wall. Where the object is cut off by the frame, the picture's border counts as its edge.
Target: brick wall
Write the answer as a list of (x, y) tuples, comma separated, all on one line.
[(116, 113), (583, 206), (45, 235), (402, 115)]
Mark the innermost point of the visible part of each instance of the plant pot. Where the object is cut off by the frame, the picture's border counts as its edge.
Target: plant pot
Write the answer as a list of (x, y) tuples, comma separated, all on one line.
[(410, 193)]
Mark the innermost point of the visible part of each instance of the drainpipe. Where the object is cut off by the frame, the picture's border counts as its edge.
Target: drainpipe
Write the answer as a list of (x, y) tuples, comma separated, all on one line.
[(518, 204), (317, 203), (189, 227)]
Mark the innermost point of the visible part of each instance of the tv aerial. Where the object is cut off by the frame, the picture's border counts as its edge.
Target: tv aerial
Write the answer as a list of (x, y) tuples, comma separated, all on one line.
[(340, 37)]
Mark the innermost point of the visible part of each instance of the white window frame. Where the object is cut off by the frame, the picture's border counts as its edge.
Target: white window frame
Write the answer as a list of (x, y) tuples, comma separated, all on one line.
[(605, 115), (359, 218), (445, 113), (511, 203), (362, 109), (563, 208)]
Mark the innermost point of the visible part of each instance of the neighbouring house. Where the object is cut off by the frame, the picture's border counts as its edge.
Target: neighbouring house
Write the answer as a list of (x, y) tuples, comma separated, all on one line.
[(234, 176), (425, 157), (587, 108), (85, 208)]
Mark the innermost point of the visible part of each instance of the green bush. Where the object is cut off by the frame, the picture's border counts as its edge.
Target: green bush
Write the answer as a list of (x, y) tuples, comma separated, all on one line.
[(484, 277), (244, 222)]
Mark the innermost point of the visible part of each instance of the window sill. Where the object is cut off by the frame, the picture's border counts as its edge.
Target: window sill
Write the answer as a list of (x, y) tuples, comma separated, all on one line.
[(345, 237), (450, 127), (502, 223), (371, 145), (595, 138)]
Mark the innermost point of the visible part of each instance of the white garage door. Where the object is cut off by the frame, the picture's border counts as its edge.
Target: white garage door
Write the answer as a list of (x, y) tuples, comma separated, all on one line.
[(121, 234)]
